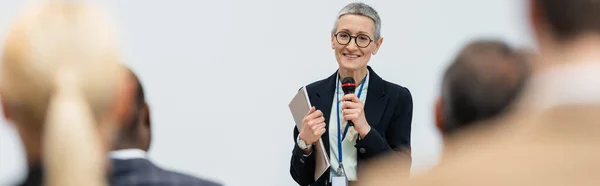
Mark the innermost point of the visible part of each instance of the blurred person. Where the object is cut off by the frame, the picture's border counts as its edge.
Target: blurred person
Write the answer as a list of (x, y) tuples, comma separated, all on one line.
[(380, 111), (62, 87), (551, 135), (130, 165), (480, 84)]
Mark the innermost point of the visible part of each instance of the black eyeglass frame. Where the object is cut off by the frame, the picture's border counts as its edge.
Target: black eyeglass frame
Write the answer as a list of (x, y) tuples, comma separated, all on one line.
[(352, 37)]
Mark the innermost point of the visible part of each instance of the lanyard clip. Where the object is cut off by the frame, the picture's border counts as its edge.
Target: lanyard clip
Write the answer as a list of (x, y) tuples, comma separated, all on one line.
[(340, 170)]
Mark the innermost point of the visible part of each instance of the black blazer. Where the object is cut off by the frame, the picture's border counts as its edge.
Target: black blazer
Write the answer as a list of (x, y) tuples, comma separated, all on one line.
[(142, 172), (388, 109)]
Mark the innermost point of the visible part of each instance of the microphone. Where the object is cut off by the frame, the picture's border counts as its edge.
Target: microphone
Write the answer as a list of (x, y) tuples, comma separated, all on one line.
[(349, 86)]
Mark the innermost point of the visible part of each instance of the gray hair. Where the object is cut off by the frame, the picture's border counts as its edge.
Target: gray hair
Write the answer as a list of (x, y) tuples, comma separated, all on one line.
[(363, 10)]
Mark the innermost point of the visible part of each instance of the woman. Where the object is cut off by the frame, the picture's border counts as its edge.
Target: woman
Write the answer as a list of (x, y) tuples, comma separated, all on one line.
[(380, 111), (61, 88)]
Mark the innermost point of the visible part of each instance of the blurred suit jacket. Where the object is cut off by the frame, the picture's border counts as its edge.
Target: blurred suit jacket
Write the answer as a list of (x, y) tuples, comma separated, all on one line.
[(35, 176), (388, 109), (559, 146), (142, 172)]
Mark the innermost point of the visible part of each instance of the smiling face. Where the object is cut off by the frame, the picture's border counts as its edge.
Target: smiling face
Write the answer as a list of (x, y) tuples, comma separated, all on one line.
[(358, 29)]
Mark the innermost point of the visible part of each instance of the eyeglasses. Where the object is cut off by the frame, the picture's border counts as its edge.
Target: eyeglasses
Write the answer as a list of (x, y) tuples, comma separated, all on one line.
[(361, 40)]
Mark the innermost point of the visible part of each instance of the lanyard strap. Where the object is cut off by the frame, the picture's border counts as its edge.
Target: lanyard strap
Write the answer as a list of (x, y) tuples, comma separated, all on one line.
[(340, 137)]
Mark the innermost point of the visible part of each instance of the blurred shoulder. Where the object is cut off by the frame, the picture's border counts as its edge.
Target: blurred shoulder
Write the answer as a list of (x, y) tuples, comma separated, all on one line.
[(399, 90), (144, 172), (177, 178), (389, 87)]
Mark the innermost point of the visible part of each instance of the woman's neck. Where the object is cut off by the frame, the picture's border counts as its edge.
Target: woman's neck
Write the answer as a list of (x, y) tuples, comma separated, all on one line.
[(358, 75)]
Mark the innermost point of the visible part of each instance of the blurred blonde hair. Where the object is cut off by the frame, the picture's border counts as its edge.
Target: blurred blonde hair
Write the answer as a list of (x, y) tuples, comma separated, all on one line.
[(60, 74)]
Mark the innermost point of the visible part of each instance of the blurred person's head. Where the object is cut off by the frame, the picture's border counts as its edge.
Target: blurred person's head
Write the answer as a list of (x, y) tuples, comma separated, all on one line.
[(62, 88), (559, 23), (481, 83), (356, 36), (135, 132)]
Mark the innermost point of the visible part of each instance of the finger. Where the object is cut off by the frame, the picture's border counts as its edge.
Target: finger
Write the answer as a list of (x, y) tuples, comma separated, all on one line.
[(317, 125), (312, 109), (314, 115), (320, 132), (318, 113), (350, 105), (320, 119), (350, 117), (321, 125), (311, 123), (350, 111), (316, 121), (346, 97), (350, 97), (316, 131)]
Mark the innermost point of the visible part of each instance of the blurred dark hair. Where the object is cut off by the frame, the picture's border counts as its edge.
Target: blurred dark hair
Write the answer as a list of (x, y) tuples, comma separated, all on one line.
[(482, 81), (569, 18)]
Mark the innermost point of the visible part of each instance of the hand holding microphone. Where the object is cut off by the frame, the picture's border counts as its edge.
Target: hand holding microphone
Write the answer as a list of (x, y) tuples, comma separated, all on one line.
[(353, 108)]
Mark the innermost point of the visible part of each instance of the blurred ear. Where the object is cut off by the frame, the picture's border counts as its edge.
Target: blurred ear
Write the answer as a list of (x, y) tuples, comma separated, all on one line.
[(124, 96), (146, 129), (332, 41), (439, 115), (377, 45), (147, 121), (536, 20)]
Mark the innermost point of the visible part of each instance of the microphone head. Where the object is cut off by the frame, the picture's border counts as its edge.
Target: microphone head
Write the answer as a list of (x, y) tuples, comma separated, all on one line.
[(348, 85)]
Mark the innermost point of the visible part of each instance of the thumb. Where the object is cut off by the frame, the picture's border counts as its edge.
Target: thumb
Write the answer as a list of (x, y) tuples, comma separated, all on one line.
[(312, 109)]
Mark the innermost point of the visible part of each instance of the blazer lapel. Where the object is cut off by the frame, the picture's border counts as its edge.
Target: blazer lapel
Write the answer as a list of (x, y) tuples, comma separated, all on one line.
[(376, 99), (323, 101)]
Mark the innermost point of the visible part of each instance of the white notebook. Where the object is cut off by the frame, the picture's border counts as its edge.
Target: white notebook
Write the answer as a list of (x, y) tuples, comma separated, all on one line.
[(299, 106)]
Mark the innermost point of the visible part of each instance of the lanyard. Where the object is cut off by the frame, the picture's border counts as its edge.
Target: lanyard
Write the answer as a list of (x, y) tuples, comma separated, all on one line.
[(340, 137)]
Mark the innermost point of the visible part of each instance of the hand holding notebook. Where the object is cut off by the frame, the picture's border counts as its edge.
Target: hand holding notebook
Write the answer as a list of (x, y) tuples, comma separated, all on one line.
[(300, 107)]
